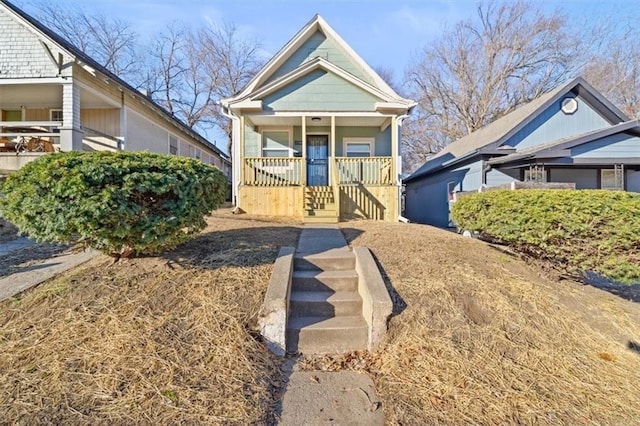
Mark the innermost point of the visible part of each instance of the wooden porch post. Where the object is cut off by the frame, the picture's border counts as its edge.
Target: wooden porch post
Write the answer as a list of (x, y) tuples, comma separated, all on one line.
[(304, 151), (242, 149), (332, 148), (394, 149)]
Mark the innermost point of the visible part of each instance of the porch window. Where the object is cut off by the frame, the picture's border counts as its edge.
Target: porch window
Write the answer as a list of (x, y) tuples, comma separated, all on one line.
[(612, 179), (358, 147), (55, 115), (276, 143), (173, 145)]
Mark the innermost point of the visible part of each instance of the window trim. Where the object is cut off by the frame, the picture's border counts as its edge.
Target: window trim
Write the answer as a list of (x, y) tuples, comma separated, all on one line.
[(288, 130), (177, 139), (52, 110), (357, 140)]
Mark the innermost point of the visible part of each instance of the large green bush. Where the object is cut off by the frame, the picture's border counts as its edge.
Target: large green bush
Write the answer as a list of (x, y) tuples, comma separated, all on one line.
[(121, 203), (581, 230)]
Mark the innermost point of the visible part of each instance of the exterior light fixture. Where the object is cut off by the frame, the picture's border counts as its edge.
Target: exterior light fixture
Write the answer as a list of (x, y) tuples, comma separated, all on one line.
[(316, 119)]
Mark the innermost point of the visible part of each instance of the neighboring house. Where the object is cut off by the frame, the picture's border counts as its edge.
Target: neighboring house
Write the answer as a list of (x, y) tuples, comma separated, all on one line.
[(572, 134), (316, 134), (54, 97)]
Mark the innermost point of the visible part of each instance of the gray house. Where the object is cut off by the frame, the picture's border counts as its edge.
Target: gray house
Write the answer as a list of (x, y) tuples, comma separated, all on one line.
[(572, 134)]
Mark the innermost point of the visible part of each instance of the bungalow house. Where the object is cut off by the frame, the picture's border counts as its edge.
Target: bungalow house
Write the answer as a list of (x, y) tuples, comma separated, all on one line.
[(316, 134), (54, 97), (572, 134)]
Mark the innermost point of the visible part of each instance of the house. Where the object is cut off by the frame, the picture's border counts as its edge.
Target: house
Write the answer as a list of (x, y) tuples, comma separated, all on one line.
[(572, 134), (316, 134), (54, 97)]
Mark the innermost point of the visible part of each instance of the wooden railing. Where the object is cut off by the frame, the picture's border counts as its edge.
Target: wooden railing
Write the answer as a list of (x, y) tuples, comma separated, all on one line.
[(335, 186), (272, 171), (364, 170)]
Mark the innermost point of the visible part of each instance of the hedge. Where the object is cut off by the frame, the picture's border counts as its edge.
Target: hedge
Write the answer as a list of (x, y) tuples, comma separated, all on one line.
[(585, 230), (121, 203)]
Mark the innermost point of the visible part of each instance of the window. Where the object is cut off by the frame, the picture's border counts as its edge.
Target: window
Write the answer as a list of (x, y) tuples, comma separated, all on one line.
[(197, 153), (612, 178), (358, 147), (55, 115), (276, 143), (173, 145)]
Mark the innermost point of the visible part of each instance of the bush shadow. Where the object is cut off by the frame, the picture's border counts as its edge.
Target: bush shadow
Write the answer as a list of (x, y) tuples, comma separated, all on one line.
[(30, 258)]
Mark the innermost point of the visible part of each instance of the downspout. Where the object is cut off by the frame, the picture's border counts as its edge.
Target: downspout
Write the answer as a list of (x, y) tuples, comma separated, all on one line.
[(486, 168), (235, 156), (401, 218)]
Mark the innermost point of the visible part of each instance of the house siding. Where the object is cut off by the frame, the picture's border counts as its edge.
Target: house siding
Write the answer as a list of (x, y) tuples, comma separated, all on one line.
[(552, 124), (427, 199), (583, 178), (497, 177), (320, 91), (620, 145), (633, 180), (252, 142), (21, 54), (145, 135), (319, 45)]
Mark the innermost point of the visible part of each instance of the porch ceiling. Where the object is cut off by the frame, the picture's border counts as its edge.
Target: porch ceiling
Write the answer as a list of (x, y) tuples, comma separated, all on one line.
[(325, 120), (14, 96)]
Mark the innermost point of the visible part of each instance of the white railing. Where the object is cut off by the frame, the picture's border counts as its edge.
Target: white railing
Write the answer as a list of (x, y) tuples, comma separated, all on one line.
[(29, 136)]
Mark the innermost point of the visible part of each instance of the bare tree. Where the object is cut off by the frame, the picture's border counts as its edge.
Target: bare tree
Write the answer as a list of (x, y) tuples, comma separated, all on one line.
[(111, 42), (232, 60), (483, 69), (614, 66)]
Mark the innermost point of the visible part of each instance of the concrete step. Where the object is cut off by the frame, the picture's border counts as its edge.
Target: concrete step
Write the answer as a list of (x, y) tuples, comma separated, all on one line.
[(331, 260), (324, 281), (320, 219), (325, 303), (318, 335)]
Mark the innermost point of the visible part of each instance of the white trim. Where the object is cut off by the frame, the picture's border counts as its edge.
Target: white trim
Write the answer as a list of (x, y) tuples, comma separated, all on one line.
[(370, 141), (316, 24), (363, 114), (288, 129), (51, 110), (47, 80), (116, 103)]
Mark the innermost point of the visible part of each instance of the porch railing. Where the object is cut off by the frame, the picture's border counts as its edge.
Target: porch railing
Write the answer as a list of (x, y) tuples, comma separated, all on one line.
[(272, 171), (364, 170)]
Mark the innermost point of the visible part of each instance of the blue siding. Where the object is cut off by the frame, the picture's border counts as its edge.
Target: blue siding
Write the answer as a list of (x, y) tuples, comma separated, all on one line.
[(620, 145), (583, 178), (320, 91), (382, 147), (497, 177), (427, 200), (319, 45), (552, 124)]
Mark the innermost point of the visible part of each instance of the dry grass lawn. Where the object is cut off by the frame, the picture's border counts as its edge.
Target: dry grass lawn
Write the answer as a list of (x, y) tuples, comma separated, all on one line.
[(478, 337)]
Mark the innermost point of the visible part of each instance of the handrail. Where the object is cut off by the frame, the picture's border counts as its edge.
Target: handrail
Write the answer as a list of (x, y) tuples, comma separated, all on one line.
[(272, 171), (335, 185), (365, 170)]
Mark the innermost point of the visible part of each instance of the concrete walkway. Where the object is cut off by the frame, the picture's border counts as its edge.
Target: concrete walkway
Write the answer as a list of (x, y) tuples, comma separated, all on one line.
[(36, 274), (327, 398)]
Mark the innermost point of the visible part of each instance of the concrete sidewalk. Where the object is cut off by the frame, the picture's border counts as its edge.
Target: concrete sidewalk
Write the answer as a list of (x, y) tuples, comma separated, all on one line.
[(30, 276), (320, 397)]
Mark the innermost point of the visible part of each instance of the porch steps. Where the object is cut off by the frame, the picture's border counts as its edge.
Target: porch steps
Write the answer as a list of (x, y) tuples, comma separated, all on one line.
[(325, 309), (320, 205)]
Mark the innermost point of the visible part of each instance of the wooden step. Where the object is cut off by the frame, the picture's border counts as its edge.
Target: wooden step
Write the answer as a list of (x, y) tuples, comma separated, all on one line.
[(315, 280), (325, 303), (319, 334)]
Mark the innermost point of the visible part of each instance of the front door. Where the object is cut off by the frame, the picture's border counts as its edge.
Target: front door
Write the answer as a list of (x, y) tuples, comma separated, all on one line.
[(317, 160)]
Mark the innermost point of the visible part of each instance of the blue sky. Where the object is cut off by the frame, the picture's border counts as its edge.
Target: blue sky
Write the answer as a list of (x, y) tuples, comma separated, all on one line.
[(384, 32)]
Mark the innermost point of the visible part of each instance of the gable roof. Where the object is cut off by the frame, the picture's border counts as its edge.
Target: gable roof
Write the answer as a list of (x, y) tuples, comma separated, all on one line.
[(79, 56), (317, 23), (498, 131), (555, 148)]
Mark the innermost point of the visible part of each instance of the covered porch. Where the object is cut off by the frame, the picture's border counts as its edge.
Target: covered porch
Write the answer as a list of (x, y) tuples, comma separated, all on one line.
[(320, 166), (43, 115)]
